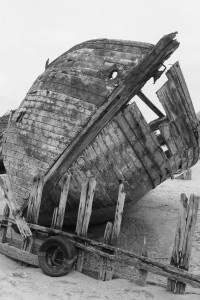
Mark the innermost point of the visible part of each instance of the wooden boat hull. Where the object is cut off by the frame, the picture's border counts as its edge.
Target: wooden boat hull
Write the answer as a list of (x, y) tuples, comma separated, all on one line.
[(59, 106)]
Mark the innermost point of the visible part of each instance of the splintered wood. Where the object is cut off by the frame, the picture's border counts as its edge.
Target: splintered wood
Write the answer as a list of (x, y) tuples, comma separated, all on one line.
[(84, 213), (183, 239)]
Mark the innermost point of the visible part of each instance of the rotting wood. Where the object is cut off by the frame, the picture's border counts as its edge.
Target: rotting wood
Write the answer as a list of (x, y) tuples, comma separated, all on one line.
[(63, 201), (84, 213), (35, 198), (136, 79), (4, 225), (103, 260), (118, 215), (183, 240), (143, 273), (21, 223)]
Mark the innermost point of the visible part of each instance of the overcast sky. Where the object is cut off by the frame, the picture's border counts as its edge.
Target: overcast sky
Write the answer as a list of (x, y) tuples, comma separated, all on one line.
[(33, 30)]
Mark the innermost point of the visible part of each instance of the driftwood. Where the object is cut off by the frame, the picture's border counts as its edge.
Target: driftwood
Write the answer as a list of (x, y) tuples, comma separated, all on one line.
[(183, 239)]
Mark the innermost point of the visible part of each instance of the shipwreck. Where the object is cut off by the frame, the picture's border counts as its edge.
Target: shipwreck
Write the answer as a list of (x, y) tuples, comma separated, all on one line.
[(77, 118)]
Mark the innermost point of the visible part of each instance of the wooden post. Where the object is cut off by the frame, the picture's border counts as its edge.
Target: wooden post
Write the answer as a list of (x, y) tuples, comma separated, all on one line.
[(183, 239), (84, 214), (143, 273), (33, 209), (4, 224), (59, 212), (112, 234), (103, 260), (35, 198), (118, 215)]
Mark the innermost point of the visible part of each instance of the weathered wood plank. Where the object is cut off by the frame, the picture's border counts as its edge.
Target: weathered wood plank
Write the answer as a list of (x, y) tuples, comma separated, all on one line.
[(155, 152), (71, 91), (19, 254), (81, 209), (118, 215), (176, 72), (4, 225), (63, 201), (103, 260), (183, 239), (35, 198), (130, 129)]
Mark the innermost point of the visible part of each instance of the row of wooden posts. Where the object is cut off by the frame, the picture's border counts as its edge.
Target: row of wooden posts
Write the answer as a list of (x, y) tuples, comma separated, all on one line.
[(108, 252)]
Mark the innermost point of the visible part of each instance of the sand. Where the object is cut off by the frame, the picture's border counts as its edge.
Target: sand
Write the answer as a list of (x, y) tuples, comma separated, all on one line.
[(155, 217)]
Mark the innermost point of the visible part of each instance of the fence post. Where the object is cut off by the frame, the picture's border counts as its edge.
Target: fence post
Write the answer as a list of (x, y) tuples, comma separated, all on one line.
[(183, 239)]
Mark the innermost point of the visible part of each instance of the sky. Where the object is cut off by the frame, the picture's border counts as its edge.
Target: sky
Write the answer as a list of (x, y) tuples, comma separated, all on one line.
[(31, 31)]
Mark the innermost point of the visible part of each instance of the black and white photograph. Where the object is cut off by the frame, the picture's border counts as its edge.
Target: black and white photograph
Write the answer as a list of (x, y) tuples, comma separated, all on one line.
[(99, 150)]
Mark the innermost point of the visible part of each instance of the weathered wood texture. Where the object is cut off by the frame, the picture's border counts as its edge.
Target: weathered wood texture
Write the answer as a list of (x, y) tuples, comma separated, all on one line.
[(85, 209), (136, 78), (122, 257), (178, 106), (35, 198), (59, 212), (183, 239)]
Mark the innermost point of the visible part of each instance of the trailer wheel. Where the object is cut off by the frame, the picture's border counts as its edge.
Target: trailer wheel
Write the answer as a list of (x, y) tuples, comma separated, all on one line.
[(56, 256)]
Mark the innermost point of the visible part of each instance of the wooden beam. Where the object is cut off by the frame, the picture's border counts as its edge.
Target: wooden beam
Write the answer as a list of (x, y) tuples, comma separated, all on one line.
[(150, 104), (136, 79), (19, 254), (183, 240), (35, 198)]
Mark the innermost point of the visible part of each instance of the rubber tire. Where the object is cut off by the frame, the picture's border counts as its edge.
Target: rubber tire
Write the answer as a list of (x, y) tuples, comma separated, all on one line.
[(68, 251)]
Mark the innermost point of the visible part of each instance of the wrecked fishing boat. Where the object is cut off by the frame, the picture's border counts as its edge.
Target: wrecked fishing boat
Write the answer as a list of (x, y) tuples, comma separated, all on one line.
[(77, 118)]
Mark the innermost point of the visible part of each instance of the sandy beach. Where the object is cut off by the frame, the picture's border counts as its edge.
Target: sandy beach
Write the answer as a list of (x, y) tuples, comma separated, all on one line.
[(155, 217)]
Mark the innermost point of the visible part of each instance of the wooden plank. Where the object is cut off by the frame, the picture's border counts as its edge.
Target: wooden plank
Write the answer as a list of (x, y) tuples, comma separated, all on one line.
[(176, 72), (118, 215), (143, 273), (134, 82), (132, 163), (130, 129), (118, 151), (84, 214), (103, 260), (172, 103), (81, 209), (183, 239), (73, 92), (155, 153), (35, 198), (98, 171), (4, 225), (19, 254), (63, 201), (93, 86), (150, 104), (88, 205)]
